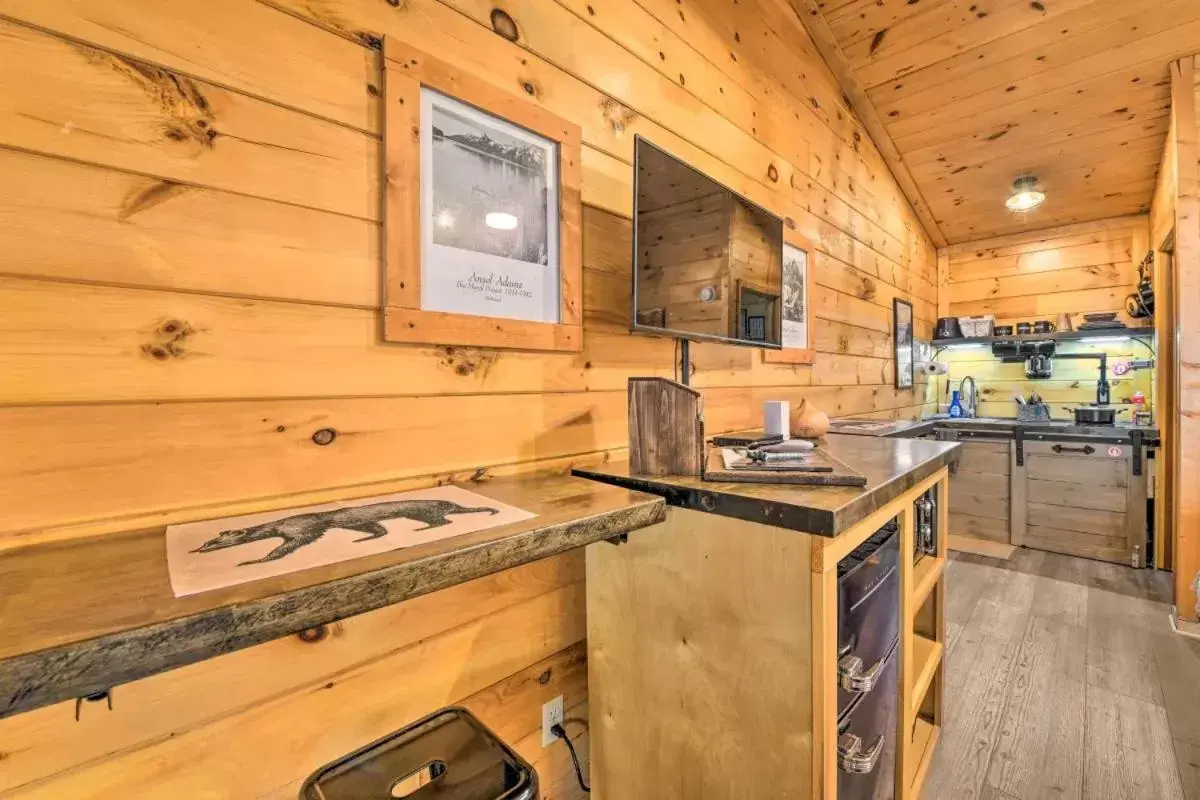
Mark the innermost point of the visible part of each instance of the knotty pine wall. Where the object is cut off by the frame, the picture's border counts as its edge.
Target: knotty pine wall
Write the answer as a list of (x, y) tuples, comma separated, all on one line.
[(1074, 269), (189, 273), (1175, 233)]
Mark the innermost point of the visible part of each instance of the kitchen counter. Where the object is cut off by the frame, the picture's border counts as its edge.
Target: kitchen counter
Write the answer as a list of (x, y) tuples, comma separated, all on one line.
[(743, 579), (84, 616), (892, 467), (1038, 431)]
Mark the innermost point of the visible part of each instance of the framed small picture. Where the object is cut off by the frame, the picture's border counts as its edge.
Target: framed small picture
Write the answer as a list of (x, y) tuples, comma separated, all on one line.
[(798, 323), (902, 330), (482, 212), (489, 191)]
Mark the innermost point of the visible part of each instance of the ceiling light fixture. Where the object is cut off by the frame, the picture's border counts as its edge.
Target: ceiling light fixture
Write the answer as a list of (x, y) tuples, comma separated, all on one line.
[(501, 221), (1025, 196)]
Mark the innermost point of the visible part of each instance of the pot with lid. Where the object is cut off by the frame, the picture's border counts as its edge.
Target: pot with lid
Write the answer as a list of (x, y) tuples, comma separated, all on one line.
[(1095, 414)]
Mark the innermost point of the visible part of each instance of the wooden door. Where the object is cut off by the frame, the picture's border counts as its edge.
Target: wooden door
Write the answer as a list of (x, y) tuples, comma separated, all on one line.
[(1081, 499)]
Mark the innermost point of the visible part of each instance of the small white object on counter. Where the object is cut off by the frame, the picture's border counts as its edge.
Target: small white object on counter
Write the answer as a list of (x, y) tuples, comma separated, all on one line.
[(777, 416)]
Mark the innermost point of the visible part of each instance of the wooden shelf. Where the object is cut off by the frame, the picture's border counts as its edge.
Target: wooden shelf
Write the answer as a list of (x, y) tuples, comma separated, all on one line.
[(924, 741), (1064, 336), (927, 657), (63, 644), (926, 573)]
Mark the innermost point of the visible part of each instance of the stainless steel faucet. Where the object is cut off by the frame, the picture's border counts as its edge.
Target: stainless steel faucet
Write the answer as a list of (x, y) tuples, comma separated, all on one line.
[(969, 402)]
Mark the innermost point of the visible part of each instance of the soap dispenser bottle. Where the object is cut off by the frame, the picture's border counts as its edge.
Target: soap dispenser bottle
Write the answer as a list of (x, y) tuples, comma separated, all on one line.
[(956, 409)]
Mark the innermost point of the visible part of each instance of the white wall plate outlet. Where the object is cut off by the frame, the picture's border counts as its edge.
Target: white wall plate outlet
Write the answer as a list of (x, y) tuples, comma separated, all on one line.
[(552, 714)]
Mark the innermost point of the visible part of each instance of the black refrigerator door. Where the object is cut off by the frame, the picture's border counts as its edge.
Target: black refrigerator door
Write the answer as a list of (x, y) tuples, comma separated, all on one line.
[(868, 613), (867, 739)]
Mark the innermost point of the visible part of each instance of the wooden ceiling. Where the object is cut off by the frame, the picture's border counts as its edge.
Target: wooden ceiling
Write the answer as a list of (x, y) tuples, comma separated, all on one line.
[(964, 96)]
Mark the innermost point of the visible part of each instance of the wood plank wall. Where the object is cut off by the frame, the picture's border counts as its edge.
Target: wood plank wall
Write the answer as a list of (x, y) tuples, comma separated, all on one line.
[(189, 271), (1073, 382), (1025, 277), (1185, 78), (1175, 234), (1072, 270)]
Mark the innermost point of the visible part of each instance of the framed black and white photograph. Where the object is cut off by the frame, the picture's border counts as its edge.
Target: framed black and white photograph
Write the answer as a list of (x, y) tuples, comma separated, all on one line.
[(482, 211), (798, 338), (489, 213), (902, 329), (795, 298)]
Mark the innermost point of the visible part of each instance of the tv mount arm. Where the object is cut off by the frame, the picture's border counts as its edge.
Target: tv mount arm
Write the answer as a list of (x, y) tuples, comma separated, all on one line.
[(685, 361), (1103, 391)]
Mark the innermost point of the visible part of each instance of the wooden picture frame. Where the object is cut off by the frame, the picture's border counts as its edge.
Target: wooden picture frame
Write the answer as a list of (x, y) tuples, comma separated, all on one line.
[(797, 355), (903, 322), (407, 70)]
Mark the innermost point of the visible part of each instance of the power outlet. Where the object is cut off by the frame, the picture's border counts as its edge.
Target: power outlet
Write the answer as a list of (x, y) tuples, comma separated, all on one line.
[(552, 714)]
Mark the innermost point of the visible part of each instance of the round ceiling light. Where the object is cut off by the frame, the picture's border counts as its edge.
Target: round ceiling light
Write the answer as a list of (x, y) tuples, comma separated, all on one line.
[(1025, 196)]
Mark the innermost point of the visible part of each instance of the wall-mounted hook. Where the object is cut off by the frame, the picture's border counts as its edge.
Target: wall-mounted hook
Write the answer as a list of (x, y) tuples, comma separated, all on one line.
[(95, 697)]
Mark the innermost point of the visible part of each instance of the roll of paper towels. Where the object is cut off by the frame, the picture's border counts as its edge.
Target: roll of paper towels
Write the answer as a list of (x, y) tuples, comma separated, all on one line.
[(934, 368)]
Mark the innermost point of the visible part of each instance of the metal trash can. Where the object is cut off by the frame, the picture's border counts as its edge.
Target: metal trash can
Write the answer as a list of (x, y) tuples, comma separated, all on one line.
[(448, 755)]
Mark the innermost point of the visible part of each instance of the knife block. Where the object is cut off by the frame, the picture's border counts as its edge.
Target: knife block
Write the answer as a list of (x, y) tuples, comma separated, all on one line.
[(666, 428)]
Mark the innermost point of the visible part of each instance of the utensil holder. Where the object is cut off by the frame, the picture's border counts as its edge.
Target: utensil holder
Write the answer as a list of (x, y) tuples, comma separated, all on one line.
[(1036, 412)]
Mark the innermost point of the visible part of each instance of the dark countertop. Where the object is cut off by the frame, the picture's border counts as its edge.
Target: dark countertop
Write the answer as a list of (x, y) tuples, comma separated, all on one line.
[(86, 615), (995, 426), (892, 466)]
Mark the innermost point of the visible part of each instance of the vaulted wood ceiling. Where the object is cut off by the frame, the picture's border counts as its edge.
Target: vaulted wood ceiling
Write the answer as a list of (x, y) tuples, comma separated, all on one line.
[(964, 96)]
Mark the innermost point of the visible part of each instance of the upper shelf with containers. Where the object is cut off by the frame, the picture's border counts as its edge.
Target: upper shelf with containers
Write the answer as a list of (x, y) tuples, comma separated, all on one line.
[(982, 330)]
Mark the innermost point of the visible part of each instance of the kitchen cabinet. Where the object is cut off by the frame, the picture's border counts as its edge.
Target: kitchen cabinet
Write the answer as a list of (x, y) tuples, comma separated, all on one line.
[(772, 640), (980, 494), (1082, 499)]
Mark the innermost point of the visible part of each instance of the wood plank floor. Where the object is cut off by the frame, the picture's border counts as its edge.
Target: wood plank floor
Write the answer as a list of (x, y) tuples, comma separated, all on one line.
[(1064, 680)]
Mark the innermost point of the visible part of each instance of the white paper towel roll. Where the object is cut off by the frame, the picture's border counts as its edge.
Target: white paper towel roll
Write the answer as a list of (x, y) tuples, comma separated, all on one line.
[(934, 368)]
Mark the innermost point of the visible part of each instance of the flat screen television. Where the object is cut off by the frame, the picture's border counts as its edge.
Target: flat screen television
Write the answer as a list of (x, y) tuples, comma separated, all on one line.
[(707, 263)]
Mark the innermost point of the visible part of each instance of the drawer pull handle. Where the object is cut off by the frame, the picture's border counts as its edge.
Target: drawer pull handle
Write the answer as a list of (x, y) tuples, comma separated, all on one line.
[(1087, 449), (853, 759), (853, 678)]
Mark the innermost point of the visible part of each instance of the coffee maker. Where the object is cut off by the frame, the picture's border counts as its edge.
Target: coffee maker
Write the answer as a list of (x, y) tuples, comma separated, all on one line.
[(1039, 366)]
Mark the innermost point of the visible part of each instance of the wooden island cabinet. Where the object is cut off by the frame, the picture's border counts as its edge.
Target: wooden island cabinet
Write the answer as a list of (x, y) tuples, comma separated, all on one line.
[(716, 665)]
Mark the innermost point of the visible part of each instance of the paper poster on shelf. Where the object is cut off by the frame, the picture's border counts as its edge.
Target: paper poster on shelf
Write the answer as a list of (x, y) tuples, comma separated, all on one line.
[(214, 554)]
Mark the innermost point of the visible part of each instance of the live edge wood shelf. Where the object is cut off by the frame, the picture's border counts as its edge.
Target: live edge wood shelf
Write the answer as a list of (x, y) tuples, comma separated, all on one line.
[(85, 616), (713, 638)]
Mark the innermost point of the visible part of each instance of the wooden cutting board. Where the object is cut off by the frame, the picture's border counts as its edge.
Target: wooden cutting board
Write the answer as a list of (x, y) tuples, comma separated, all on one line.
[(840, 473)]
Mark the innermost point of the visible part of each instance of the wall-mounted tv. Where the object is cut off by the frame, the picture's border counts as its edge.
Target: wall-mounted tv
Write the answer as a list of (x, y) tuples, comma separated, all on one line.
[(707, 263)]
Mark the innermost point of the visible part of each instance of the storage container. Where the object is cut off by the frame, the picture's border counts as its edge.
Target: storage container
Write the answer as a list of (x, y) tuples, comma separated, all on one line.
[(980, 325), (448, 755)]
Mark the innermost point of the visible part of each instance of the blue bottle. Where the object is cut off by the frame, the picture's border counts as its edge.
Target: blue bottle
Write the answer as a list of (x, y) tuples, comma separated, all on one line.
[(956, 409)]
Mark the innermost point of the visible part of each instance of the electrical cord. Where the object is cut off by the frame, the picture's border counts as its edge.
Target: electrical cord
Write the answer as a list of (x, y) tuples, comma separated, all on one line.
[(558, 730)]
